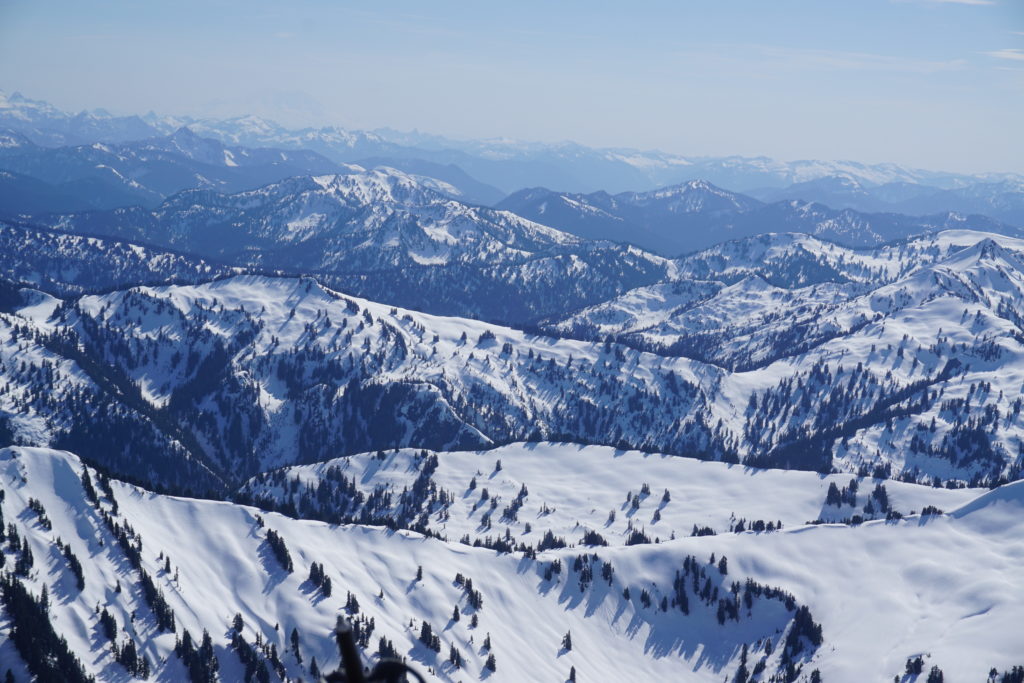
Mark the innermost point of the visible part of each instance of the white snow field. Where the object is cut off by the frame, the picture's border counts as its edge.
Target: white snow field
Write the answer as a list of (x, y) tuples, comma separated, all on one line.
[(573, 488), (945, 586)]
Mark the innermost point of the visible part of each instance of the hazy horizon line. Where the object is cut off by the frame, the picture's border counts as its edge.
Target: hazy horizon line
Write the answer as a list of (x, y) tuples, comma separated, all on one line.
[(196, 118)]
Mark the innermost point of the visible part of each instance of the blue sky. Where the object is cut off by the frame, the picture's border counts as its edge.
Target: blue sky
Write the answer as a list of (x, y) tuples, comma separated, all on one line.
[(933, 83)]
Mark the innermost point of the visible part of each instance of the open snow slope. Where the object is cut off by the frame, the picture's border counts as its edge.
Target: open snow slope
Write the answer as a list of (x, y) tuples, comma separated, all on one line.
[(223, 566), (572, 489), (948, 587)]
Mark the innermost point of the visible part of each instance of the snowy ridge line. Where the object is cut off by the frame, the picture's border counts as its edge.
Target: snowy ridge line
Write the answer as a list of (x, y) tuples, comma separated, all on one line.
[(360, 375), (618, 613), (696, 215), (129, 263), (196, 589)]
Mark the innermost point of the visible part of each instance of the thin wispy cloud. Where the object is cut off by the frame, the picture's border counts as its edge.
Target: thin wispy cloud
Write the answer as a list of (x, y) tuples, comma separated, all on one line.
[(1012, 53), (959, 2), (862, 61)]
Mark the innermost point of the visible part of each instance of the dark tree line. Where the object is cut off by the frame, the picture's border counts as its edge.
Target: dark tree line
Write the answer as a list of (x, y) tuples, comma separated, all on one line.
[(45, 653)]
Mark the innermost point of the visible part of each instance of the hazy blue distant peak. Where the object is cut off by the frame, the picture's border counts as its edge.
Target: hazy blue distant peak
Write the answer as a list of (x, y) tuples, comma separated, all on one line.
[(504, 163)]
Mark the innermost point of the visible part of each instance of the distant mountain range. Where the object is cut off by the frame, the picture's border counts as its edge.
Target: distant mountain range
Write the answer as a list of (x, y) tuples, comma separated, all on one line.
[(37, 179), (385, 235), (52, 162), (143, 173), (1002, 199), (696, 215), (507, 165)]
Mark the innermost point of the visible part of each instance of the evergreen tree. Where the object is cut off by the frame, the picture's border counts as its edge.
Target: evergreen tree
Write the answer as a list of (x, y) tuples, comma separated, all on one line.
[(280, 550), (108, 625), (295, 645), (833, 497), (915, 666), (429, 638)]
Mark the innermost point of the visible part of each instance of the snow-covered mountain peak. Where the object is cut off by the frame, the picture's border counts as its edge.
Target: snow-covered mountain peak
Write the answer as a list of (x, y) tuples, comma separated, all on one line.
[(752, 283), (10, 139), (696, 185), (986, 253), (986, 272), (376, 218), (183, 134), (989, 248), (186, 142), (690, 197), (18, 106), (379, 185)]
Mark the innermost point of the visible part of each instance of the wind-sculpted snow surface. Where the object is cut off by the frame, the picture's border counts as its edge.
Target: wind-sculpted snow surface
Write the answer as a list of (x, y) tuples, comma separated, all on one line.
[(852, 602)]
